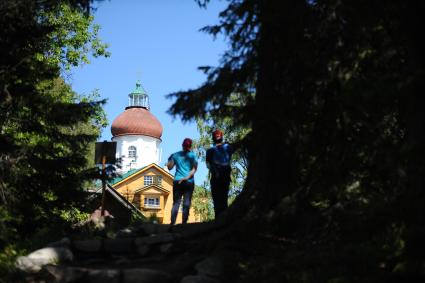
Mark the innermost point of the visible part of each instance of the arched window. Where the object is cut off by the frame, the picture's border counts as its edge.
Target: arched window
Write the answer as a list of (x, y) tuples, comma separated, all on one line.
[(132, 152)]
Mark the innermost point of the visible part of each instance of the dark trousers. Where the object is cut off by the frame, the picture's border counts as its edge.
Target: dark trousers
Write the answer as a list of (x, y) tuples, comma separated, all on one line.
[(220, 182), (185, 191)]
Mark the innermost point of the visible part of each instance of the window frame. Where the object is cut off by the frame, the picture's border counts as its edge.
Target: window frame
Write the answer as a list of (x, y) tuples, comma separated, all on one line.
[(132, 152), (146, 182), (152, 202), (158, 180)]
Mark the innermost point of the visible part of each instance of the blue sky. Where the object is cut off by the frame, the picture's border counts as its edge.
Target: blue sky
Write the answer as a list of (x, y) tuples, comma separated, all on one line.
[(158, 43)]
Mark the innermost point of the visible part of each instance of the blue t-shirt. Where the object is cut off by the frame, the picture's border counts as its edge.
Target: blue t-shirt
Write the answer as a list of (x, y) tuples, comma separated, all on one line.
[(220, 154), (184, 162)]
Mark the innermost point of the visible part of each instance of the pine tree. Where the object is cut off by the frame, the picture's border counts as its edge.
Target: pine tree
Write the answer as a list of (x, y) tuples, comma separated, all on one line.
[(46, 130), (336, 149)]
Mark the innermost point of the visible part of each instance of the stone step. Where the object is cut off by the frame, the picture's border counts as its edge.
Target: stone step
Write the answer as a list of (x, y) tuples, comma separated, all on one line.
[(62, 274)]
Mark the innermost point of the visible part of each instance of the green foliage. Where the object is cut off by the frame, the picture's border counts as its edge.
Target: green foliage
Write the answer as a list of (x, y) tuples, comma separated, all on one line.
[(47, 130), (202, 203), (73, 38), (232, 134), (153, 218), (137, 218), (8, 256), (74, 215), (8, 233)]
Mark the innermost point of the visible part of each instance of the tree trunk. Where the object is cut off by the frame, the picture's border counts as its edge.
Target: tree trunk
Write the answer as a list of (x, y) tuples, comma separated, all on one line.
[(272, 171)]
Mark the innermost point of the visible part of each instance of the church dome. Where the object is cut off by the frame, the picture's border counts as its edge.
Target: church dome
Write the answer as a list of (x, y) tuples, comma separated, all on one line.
[(136, 120)]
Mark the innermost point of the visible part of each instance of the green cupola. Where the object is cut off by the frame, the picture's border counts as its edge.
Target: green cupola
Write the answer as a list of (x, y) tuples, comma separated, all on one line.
[(138, 97)]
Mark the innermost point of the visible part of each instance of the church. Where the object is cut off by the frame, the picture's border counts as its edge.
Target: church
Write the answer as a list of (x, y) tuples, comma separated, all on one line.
[(142, 183)]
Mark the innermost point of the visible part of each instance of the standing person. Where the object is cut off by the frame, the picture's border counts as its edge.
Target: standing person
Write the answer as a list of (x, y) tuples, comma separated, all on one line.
[(184, 183), (218, 162)]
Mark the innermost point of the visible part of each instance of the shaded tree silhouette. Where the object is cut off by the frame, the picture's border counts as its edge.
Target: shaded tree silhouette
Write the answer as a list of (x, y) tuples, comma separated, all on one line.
[(335, 152)]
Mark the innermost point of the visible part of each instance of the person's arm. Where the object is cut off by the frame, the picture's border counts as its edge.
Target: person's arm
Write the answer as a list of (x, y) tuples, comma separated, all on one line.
[(170, 163), (191, 172)]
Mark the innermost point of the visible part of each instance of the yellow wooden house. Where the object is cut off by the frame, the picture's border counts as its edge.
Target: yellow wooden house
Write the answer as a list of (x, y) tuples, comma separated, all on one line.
[(150, 190)]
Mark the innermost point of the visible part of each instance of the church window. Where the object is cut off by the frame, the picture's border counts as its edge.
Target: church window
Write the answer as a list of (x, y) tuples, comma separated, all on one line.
[(158, 180), (152, 202), (132, 152), (148, 180)]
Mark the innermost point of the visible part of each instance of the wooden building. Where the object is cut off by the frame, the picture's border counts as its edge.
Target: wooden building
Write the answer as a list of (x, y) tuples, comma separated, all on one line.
[(149, 189)]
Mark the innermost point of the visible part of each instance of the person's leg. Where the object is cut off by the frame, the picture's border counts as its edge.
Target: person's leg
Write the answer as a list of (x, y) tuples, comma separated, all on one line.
[(177, 197), (225, 188), (221, 198), (215, 194), (221, 191), (187, 199)]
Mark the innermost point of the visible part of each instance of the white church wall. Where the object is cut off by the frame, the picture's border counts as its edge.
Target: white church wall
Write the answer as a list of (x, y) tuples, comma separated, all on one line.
[(147, 151)]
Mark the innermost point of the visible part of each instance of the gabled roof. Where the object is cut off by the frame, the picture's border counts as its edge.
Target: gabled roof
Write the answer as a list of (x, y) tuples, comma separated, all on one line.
[(153, 186), (139, 171), (124, 176), (122, 200)]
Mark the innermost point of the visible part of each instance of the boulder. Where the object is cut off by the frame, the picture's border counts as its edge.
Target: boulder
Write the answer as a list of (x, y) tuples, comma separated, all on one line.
[(155, 239), (37, 259), (90, 246), (143, 250), (25, 264), (104, 276), (119, 245), (211, 267), (66, 274), (62, 243), (76, 274), (166, 248), (144, 275), (198, 279)]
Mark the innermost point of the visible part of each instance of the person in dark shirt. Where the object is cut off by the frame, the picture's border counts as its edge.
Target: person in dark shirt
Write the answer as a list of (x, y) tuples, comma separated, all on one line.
[(218, 159)]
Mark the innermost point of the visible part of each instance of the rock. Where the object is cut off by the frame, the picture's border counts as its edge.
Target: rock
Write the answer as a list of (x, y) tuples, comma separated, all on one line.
[(25, 264), (122, 260), (66, 274), (143, 275), (125, 233), (120, 245), (199, 279), (77, 274), (62, 243), (162, 228), (104, 276), (88, 245), (210, 267), (166, 248), (155, 239), (149, 228), (51, 255), (193, 230), (143, 250)]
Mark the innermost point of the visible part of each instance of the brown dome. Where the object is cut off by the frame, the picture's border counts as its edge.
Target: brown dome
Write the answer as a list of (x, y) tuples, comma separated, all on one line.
[(136, 121)]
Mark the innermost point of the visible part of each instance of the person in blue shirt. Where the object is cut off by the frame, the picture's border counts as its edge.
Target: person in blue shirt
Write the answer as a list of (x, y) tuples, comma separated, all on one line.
[(218, 159), (186, 165)]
